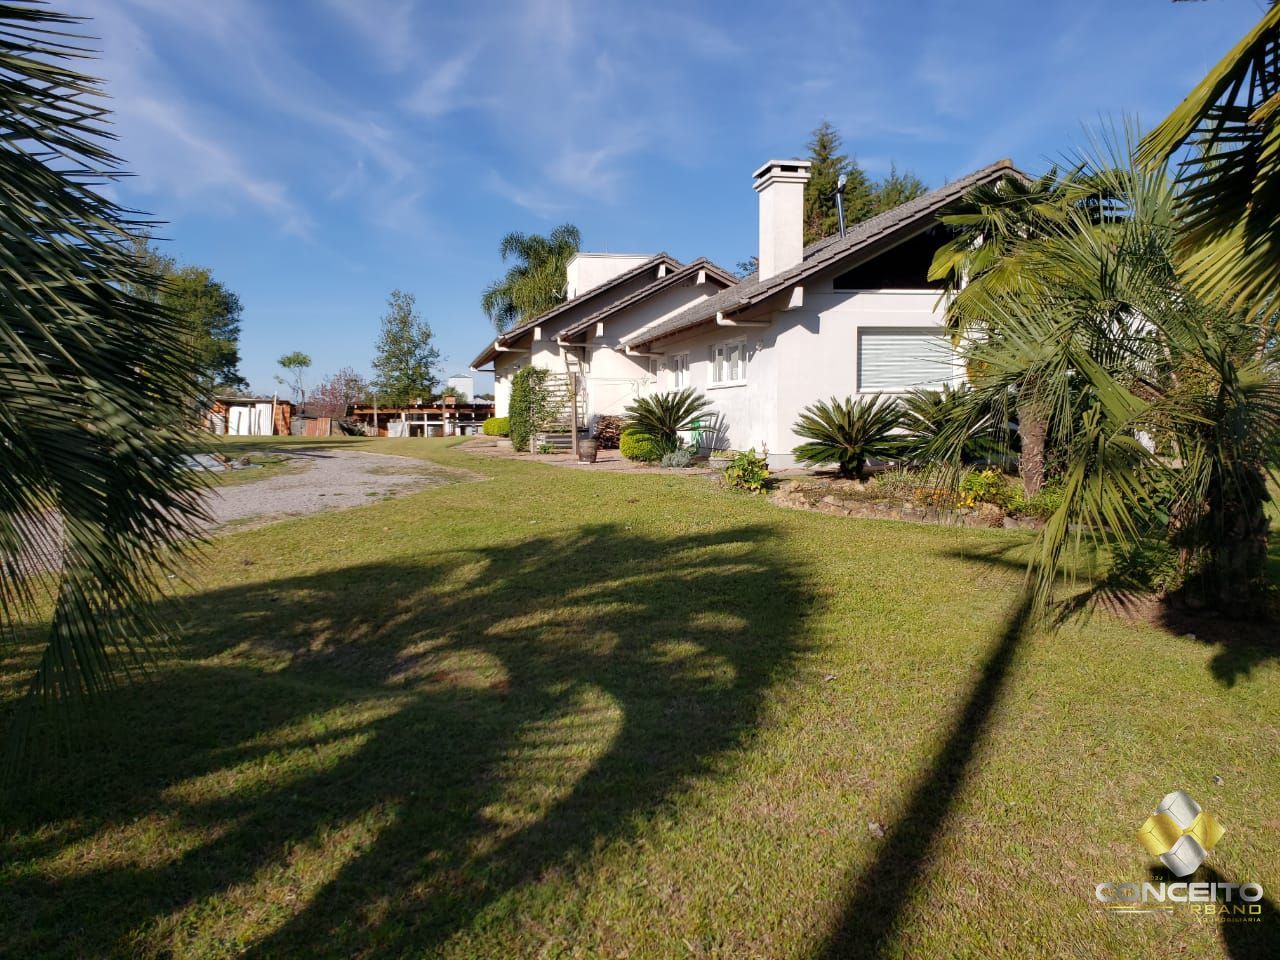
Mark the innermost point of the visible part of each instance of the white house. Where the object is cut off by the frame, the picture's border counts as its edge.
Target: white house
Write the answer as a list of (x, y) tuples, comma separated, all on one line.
[(845, 316), (609, 296)]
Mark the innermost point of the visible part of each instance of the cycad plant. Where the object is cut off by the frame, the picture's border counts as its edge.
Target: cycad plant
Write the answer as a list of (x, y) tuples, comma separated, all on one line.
[(927, 416), (663, 416), (96, 503), (1167, 407), (850, 433)]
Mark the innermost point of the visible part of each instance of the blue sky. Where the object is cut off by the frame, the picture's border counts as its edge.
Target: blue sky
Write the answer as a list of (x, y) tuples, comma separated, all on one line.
[(317, 154)]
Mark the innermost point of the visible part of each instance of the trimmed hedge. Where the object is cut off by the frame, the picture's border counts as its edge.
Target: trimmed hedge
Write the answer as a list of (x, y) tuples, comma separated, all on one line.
[(528, 407), (639, 447), (497, 427)]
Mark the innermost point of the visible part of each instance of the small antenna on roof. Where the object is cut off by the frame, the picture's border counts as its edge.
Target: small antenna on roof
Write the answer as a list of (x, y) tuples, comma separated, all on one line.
[(840, 182)]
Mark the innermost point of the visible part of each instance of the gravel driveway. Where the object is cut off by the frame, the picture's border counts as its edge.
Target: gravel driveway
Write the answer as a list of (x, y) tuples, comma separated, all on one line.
[(330, 480)]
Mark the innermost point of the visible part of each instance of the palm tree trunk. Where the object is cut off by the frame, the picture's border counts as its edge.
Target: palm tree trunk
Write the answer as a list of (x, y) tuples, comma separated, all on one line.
[(1239, 560), (1032, 431)]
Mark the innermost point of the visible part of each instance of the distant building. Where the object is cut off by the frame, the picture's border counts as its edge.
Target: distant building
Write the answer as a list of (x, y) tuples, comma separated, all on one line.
[(249, 416), (464, 384)]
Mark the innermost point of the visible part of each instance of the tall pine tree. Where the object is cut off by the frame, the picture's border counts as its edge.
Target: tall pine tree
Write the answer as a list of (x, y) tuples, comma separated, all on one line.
[(896, 189), (821, 218)]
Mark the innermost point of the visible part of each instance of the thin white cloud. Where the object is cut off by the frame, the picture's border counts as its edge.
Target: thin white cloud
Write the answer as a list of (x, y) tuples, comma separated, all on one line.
[(170, 142), (438, 92), (535, 201)]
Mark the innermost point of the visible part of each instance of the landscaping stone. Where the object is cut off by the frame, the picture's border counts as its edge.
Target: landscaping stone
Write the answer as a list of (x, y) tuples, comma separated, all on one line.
[(855, 498)]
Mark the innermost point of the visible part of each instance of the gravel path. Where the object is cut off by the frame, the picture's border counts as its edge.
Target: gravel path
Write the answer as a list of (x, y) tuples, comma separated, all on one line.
[(330, 480)]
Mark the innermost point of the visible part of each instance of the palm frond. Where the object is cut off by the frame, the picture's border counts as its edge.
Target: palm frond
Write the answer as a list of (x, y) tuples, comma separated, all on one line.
[(94, 391), (1229, 205)]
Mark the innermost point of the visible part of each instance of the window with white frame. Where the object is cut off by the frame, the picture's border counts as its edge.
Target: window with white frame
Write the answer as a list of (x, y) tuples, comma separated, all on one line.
[(680, 370), (729, 363)]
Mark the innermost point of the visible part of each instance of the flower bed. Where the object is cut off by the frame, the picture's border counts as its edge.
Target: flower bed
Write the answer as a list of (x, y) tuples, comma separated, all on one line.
[(854, 498)]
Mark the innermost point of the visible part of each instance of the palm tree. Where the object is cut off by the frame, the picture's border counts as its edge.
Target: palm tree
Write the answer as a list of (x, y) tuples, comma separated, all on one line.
[(1123, 353), (535, 282), (96, 505), (977, 271), (1229, 202)]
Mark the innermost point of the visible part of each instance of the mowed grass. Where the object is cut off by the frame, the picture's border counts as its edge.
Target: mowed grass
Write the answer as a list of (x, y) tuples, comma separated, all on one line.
[(557, 713)]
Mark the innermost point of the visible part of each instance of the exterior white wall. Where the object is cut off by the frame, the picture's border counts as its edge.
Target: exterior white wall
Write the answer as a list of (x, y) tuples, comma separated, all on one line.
[(587, 270), (464, 383), (614, 379), (804, 355), (539, 347), (504, 368)]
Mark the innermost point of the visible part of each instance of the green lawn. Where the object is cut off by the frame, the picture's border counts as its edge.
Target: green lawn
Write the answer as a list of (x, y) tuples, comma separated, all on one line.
[(556, 713)]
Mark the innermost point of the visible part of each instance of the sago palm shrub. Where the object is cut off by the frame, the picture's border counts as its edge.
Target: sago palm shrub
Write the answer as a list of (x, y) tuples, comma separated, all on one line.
[(664, 416), (927, 414), (849, 433), (96, 506)]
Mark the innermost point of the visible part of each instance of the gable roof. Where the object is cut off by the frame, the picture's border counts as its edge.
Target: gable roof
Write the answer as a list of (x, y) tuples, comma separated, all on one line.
[(866, 238), (582, 327), (586, 296)]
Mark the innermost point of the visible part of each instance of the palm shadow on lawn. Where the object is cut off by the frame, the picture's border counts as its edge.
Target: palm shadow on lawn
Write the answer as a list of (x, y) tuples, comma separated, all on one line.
[(871, 920), (526, 704), (870, 924)]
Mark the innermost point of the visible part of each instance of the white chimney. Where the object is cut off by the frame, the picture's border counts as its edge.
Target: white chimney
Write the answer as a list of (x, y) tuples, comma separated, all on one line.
[(780, 184)]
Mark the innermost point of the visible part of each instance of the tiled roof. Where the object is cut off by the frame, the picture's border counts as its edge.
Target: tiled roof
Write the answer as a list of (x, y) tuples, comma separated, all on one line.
[(516, 332), (857, 239), (670, 280)]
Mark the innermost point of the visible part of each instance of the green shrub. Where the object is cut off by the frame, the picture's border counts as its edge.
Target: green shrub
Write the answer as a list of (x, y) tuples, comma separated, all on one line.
[(1041, 506), (663, 416), (988, 486), (497, 427), (901, 483), (1150, 566), (749, 471), (678, 458), (608, 432), (940, 423), (528, 409), (848, 433), (639, 447)]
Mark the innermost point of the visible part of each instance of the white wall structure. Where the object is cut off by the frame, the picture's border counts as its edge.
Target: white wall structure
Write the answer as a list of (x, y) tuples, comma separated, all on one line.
[(250, 419), (463, 383), (586, 271), (853, 315), (849, 316), (537, 341), (780, 184)]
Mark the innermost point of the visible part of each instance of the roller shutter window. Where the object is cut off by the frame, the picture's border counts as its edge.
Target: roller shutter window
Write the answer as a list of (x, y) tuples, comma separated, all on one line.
[(895, 361)]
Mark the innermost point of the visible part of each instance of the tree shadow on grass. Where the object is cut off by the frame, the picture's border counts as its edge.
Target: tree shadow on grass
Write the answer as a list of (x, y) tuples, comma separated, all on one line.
[(1247, 938), (431, 744), (871, 919), (1240, 646)]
